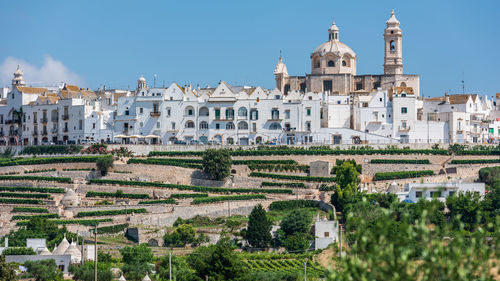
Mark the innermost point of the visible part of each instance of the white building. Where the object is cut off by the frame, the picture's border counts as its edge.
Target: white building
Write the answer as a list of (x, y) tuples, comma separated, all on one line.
[(326, 232), (416, 191)]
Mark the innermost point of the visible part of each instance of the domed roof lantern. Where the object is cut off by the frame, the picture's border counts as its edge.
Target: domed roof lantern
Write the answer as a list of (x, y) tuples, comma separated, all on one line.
[(18, 79), (333, 32), (392, 21)]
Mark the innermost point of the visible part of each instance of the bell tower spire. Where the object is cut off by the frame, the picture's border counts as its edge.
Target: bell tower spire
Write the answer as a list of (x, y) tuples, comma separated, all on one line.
[(18, 79), (393, 37), (333, 32)]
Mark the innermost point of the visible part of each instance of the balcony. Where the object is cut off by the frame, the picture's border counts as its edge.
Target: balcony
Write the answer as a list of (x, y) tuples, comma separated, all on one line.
[(228, 118), (35, 133), (275, 118), (54, 131), (65, 130), (44, 120), (404, 129), (155, 114), (65, 117), (9, 122), (125, 131), (44, 133)]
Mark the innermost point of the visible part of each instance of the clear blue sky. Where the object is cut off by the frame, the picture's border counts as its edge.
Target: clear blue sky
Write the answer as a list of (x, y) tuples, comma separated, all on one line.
[(202, 42)]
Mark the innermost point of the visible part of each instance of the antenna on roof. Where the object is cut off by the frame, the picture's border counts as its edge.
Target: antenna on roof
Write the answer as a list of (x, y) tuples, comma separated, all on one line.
[(463, 82), (280, 54), (154, 80)]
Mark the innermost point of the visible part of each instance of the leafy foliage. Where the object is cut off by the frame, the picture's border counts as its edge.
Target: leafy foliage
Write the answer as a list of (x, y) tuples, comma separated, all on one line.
[(291, 177), (258, 233), (216, 199), (293, 204), (51, 149), (284, 184), (32, 189), (7, 271), (29, 210), (110, 212), (63, 222), (401, 175), (216, 163), (117, 194), (85, 272), (104, 164), (136, 261), (400, 161), (12, 251), (36, 178), (182, 235), (162, 201), (44, 270), (112, 228), (49, 160)]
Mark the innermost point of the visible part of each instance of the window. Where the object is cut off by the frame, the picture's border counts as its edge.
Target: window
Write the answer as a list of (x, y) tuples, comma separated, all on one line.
[(189, 124), (189, 111), (376, 85), (275, 126), (140, 110), (158, 125), (287, 114), (344, 63), (418, 194), (217, 114), (331, 63), (173, 125), (435, 194), (451, 193), (230, 140), (229, 114), (203, 111), (404, 110), (242, 112), (254, 127), (127, 112), (403, 124), (203, 125), (308, 111), (254, 114), (277, 97), (230, 126), (93, 125), (141, 125), (275, 114), (392, 46), (308, 126), (359, 86), (243, 125), (80, 124), (217, 126), (327, 234)]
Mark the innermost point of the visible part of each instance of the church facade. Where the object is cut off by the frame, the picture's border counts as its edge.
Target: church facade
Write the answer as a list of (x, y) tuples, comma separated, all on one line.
[(333, 67)]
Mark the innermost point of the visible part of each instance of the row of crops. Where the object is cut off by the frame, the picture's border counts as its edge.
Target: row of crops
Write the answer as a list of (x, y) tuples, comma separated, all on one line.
[(286, 265)]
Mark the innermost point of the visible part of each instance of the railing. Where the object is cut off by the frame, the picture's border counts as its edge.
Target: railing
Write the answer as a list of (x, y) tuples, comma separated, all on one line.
[(65, 117), (65, 130), (44, 133), (43, 120), (155, 114), (404, 129)]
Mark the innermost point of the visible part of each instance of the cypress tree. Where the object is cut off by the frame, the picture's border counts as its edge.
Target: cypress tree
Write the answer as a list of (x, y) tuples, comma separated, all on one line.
[(259, 227)]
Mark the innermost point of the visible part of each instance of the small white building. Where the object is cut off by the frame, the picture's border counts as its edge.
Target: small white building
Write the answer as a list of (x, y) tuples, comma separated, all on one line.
[(416, 191), (326, 233)]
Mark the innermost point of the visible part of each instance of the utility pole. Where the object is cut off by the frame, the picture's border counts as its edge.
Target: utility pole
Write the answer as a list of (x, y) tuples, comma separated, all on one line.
[(305, 269), (83, 250), (170, 266), (95, 252)]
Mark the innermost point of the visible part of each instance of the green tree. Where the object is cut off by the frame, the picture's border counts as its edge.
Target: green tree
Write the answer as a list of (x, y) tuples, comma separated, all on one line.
[(346, 175), (182, 235), (217, 163), (467, 207), (297, 242), (86, 272), (136, 261), (180, 269), (232, 224), (44, 270), (104, 164), (298, 221), (217, 262), (258, 233), (7, 271)]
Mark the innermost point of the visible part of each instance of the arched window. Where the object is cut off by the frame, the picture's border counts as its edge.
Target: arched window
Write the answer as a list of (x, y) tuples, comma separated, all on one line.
[(344, 63), (189, 111), (189, 124), (203, 125), (275, 126), (331, 63), (243, 125), (403, 84), (392, 46), (203, 111), (230, 126), (242, 112)]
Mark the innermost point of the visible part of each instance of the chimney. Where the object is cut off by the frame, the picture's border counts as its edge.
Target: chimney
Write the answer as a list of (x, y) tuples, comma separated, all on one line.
[(6, 243), (446, 97)]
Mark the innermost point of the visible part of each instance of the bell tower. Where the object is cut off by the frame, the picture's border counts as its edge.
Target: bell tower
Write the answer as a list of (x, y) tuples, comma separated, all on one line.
[(281, 75), (393, 37)]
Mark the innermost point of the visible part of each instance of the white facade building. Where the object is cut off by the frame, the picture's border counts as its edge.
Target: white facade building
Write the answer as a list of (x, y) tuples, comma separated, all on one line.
[(440, 191)]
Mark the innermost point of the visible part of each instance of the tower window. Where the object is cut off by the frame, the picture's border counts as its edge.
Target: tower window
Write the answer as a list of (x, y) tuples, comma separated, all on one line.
[(344, 63), (392, 31), (392, 46), (331, 63)]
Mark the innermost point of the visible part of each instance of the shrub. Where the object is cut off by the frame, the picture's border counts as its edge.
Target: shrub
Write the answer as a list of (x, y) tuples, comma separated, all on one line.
[(216, 163), (117, 194), (26, 217), (166, 162), (227, 198), (25, 195), (20, 201), (278, 167), (32, 189), (112, 228), (40, 171), (191, 187), (51, 149), (284, 184), (339, 162), (96, 148), (402, 175), (104, 164), (399, 161), (29, 210), (163, 201), (293, 204), (36, 178), (17, 251), (326, 187), (475, 161), (292, 177), (82, 169), (110, 212)]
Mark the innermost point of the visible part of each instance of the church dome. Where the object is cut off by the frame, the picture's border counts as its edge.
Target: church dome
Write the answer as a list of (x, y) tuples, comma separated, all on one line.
[(142, 79), (62, 247), (335, 47)]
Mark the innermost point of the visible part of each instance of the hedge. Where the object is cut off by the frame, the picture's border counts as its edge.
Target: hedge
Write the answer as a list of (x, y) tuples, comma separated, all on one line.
[(188, 195), (32, 189), (20, 201), (36, 178), (50, 160), (191, 187), (82, 222), (164, 162), (293, 204), (475, 161), (117, 195), (163, 201), (28, 217), (292, 177), (402, 175), (301, 151), (112, 228), (52, 149), (110, 212), (227, 198), (40, 171), (478, 152), (17, 251), (25, 195), (82, 169), (399, 161), (285, 184), (29, 210), (235, 162), (122, 172), (278, 167)]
